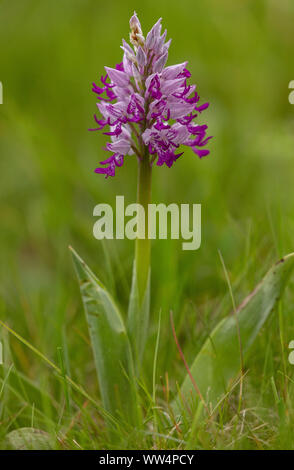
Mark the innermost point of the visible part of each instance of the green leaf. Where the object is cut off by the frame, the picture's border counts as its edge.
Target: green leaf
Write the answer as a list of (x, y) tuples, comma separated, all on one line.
[(28, 439), (138, 317), (218, 363), (110, 344)]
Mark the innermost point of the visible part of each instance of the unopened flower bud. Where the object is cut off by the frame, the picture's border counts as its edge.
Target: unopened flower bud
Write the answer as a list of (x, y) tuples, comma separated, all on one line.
[(136, 35)]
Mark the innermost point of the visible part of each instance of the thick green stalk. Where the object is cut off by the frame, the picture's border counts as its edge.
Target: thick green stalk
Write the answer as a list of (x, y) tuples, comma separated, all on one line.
[(143, 247), (139, 305)]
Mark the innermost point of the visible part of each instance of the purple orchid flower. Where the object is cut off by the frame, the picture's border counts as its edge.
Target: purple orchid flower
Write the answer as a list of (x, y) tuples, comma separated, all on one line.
[(147, 106)]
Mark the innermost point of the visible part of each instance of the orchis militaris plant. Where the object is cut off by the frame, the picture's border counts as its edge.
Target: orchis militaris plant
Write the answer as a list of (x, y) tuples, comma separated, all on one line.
[(149, 110)]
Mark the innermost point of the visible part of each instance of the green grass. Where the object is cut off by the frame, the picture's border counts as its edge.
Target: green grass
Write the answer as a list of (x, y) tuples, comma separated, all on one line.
[(239, 54)]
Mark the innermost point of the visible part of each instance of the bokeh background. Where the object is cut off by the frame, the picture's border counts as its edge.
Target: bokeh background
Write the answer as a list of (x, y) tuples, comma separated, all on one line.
[(241, 57)]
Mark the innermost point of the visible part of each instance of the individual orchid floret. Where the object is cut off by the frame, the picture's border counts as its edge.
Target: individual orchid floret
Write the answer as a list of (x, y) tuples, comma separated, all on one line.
[(147, 108)]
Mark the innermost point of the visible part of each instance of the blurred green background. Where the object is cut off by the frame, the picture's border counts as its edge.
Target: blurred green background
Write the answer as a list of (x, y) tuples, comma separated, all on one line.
[(241, 57)]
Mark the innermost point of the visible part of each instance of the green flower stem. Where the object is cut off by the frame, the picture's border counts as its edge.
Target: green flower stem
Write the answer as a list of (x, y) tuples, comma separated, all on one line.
[(139, 304), (143, 246)]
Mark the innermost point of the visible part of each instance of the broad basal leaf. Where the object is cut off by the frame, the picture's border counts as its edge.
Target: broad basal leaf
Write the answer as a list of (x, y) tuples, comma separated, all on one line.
[(110, 343), (218, 362), (28, 439)]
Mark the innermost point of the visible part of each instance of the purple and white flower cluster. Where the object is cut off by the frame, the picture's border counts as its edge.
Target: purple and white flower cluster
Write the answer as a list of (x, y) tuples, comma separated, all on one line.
[(149, 108)]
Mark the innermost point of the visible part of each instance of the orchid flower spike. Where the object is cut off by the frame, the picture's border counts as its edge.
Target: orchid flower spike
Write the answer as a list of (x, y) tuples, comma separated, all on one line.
[(148, 108)]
